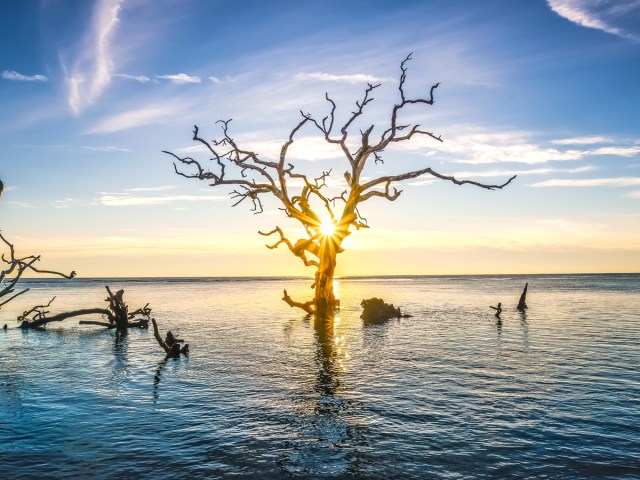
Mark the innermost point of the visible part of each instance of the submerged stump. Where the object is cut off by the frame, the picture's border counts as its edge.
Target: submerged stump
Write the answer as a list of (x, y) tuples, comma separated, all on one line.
[(375, 310)]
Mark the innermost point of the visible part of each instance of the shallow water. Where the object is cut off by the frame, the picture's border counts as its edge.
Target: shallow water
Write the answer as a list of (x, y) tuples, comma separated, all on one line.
[(267, 393)]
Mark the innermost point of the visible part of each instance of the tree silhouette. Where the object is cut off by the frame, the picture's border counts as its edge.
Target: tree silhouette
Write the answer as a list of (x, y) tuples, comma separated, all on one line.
[(252, 176)]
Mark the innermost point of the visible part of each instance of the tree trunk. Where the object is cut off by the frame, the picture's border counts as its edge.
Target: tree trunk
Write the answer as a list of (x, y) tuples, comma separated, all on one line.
[(325, 302)]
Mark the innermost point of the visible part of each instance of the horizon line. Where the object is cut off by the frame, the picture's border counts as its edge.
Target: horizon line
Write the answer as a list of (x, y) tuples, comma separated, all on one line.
[(342, 277)]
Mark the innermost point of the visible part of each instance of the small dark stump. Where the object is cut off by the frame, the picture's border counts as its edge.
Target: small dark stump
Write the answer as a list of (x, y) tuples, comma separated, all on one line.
[(375, 310), (522, 304)]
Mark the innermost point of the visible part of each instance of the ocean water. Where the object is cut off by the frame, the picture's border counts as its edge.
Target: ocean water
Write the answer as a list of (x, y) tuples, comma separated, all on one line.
[(268, 393)]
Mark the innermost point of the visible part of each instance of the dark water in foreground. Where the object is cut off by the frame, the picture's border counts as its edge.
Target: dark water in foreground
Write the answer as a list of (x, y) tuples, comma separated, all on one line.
[(265, 393)]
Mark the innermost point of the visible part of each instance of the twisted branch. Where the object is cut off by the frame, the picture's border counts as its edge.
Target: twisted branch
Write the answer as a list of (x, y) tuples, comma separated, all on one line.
[(306, 306), (298, 249)]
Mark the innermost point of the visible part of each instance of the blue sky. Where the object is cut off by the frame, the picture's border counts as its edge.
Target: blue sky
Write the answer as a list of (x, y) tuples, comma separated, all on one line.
[(92, 92)]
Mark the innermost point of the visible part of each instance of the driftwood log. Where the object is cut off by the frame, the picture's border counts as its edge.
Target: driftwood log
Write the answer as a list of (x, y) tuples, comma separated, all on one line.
[(117, 315), (375, 310), (171, 345)]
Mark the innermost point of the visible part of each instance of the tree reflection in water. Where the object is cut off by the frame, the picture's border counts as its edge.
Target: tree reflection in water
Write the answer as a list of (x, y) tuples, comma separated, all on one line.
[(331, 435)]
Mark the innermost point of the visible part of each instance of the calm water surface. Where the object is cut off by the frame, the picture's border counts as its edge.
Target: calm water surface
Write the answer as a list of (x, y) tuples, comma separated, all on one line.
[(267, 393)]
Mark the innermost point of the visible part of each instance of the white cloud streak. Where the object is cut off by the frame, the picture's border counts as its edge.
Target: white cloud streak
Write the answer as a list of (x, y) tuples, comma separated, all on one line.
[(18, 77), (64, 203), (137, 78), (181, 78), (599, 15), (161, 188), (105, 148), (129, 199), (480, 148), (134, 118), (327, 77), (590, 182), (509, 173), (91, 73), (581, 140), (616, 151), (308, 148)]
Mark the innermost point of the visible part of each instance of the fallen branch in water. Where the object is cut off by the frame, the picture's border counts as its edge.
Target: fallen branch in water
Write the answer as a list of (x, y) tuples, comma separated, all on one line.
[(117, 315), (170, 344)]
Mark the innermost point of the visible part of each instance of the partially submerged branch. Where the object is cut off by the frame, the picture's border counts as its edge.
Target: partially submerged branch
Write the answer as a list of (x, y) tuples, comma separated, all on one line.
[(306, 306), (117, 314), (36, 312), (43, 319), (170, 344)]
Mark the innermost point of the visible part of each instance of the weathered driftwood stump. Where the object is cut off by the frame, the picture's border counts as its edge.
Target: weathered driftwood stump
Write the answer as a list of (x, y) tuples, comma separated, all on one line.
[(171, 345), (522, 304), (375, 310), (117, 315)]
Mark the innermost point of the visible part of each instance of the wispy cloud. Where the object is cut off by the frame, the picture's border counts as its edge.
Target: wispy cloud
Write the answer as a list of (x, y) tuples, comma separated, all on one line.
[(134, 118), (161, 188), (137, 78), (581, 140), (599, 15), (181, 78), (590, 182), (73, 148), (308, 148), (18, 77), (104, 148), (91, 72), (479, 148), (635, 194), (128, 199), (22, 204), (616, 151), (327, 77), (64, 203), (215, 80), (509, 172), (485, 148)]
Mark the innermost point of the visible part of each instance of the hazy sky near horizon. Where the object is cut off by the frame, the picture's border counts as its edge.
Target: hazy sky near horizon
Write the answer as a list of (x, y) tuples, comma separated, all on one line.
[(92, 92)]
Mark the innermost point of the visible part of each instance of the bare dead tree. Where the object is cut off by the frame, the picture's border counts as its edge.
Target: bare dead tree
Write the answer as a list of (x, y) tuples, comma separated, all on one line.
[(252, 177), (117, 315), (14, 267)]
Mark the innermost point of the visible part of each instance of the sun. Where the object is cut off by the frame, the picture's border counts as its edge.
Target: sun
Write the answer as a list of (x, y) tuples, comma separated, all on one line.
[(327, 228)]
